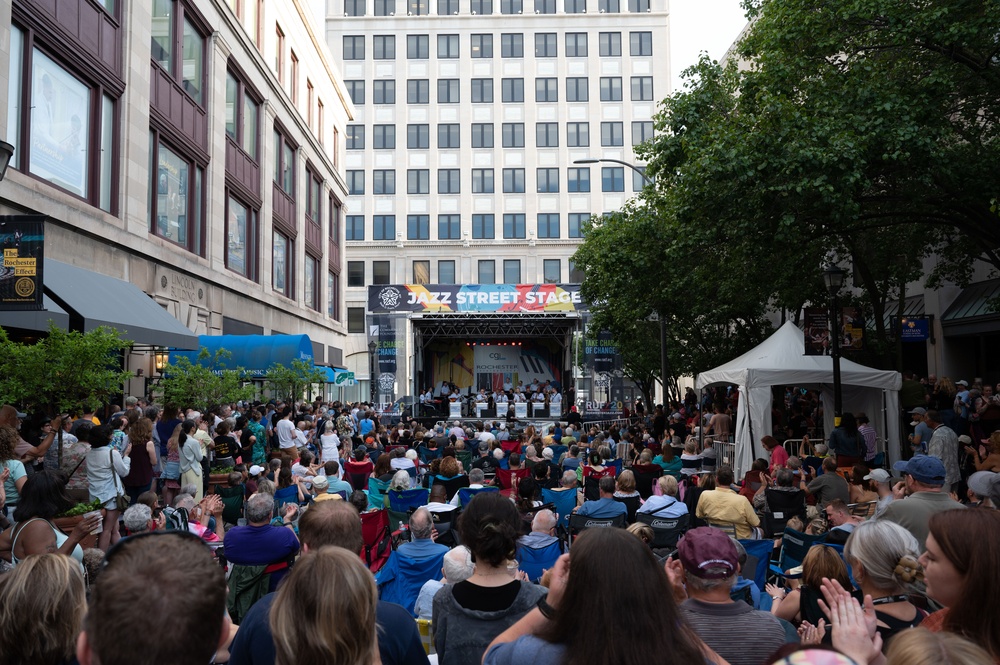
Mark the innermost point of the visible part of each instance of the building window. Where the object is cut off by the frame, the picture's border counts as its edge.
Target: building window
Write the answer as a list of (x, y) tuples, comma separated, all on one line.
[(449, 136), (418, 47), (354, 7), (482, 227), (448, 90), (545, 6), (513, 226), (548, 225), (178, 46), (418, 91), (511, 6), (384, 182), (642, 88), (576, 275), (310, 290), (320, 122), (418, 227), (447, 7), (551, 271), (355, 137), (384, 137), (355, 227), (545, 45), (513, 181), (482, 135), (417, 7), (418, 137), (418, 181), (314, 197), (513, 134), (611, 88), (176, 197), (546, 90), (294, 79), (610, 44), (578, 180), (384, 92), (449, 181), (242, 113), (639, 179), (241, 238), (281, 264), (577, 220), (356, 320), (284, 163), (640, 43), (482, 91), (547, 181), (576, 44), (612, 179), (511, 46), (446, 272), (333, 295), (578, 134), (421, 272), (512, 90), (384, 227), (637, 6), (384, 47), (356, 183), (612, 134), (547, 134), (354, 47), (447, 46), (482, 46), (482, 181), (577, 89), (381, 272), (642, 131), (355, 273), (356, 90), (279, 53), (487, 272), (385, 7), (609, 6), (449, 227), (511, 271), (482, 7), (575, 6)]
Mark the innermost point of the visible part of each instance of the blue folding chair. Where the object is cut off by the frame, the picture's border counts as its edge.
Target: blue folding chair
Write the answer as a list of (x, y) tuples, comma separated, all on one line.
[(758, 560), (565, 502), (376, 493), (465, 494), (794, 546), (400, 580), (403, 501), (558, 450), (534, 561), (615, 464)]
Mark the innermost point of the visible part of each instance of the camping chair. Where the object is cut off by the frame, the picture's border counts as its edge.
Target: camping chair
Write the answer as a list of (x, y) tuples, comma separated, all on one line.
[(376, 493), (758, 559), (510, 446), (465, 457), (465, 494), (864, 510), (794, 546), (615, 466), (666, 530), (558, 450), (564, 502), (632, 504), (232, 502), (534, 561), (402, 501), (452, 485), (580, 523), (399, 581), (728, 528), (446, 523), (645, 476), (506, 479), (782, 506), (377, 538), (427, 455)]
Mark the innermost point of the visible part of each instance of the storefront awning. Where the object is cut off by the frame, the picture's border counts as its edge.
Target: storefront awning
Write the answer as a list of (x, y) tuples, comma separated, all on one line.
[(973, 311), (254, 353), (38, 319), (92, 300)]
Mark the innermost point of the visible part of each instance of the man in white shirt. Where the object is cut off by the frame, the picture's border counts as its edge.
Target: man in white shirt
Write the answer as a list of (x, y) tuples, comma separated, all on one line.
[(481, 396), (518, 396), (500, 397), (556, 397), (287, 434), (457, 430), (508, 386)]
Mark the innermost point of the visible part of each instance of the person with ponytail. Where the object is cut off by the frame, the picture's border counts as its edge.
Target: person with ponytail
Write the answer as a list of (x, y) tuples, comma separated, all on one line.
[(468, 615)]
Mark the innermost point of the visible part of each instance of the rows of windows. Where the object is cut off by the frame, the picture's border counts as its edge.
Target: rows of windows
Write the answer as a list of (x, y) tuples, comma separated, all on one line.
[(509, 226), (480, 45), (418, 91), (449, 135), (480, 7)]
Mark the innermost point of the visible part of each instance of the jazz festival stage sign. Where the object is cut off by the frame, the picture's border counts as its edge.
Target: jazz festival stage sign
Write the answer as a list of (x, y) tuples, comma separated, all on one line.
[(475, 298)]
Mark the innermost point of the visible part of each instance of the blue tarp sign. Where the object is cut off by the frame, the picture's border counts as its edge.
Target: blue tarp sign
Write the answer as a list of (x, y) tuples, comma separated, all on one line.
[(914, 329)]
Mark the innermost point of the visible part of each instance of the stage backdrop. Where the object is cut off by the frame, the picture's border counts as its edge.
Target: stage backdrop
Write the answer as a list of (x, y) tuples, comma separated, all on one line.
[(490, 366)]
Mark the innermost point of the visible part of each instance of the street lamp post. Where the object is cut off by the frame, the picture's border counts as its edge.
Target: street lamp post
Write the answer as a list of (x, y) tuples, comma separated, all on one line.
[(664, 365), (372, 347), (833, 277)]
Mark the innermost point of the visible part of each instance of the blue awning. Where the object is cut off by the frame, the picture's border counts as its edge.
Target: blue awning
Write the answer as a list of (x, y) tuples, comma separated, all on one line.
[(254, 353)]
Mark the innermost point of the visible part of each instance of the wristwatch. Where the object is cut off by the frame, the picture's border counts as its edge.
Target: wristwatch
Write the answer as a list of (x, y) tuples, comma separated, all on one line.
[(547, 610)]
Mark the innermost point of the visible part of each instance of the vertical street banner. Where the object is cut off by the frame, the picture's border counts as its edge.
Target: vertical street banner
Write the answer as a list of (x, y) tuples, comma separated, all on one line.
[(383, 331), (852, 329), (22, 238), (817, 331)]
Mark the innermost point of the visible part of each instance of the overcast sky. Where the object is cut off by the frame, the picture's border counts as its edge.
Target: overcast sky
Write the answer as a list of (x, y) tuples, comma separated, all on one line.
[(701, 25)]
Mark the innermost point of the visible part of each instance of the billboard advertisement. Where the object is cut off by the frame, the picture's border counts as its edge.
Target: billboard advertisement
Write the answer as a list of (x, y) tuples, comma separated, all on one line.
[(472, 298)]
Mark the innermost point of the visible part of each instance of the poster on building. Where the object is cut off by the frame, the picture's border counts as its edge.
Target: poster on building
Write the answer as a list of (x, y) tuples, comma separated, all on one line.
[(817, 332), (914, 329), (852, 329), (60, 125), (23, 240)]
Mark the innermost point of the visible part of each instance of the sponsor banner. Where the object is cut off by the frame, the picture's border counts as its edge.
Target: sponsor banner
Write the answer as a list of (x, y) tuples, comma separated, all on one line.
[(602, 351), (475, 298), (914, 329), (383, 331), (22, 238), (817, 331), (852, 329)]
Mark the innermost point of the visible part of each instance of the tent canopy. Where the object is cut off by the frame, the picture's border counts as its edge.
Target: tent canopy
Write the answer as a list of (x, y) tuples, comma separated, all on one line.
[(780, 361)]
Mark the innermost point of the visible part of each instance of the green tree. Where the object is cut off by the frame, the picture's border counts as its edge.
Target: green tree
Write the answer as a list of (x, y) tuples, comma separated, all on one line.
[(204, 384), (290, 382)]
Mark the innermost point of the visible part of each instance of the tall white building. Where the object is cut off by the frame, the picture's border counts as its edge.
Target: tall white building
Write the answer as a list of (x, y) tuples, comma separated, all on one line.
[(469, 117)]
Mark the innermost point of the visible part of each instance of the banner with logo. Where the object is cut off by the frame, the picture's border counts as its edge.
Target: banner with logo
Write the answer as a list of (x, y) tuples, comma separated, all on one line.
[(602, 351), (382, 330), (22, 238), (852, 329), (817, 331), (914, 329), (398, 298)]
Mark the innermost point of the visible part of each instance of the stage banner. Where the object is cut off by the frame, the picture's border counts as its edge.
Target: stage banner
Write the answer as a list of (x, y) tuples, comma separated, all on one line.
[(23, 241), (400, 298), (382, 331), (817, 331)]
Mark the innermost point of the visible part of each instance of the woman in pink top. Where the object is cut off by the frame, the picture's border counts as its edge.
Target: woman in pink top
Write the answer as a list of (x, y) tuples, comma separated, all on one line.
[(779, 457)]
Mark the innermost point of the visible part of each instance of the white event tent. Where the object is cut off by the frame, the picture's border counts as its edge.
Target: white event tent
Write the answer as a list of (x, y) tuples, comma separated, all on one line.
[(780, 360)]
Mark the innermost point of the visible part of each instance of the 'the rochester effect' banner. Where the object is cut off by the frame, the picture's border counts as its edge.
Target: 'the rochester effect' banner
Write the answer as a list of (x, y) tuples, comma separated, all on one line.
[(475, 298)]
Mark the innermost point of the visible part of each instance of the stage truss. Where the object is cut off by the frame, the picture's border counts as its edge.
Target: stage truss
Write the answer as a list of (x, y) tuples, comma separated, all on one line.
[(494, 325)]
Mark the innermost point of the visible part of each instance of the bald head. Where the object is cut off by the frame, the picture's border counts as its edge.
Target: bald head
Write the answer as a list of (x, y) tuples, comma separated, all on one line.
[(544, 522)]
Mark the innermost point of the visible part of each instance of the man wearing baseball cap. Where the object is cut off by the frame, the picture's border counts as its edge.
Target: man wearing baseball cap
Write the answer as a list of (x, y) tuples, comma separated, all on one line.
[(921, 432), (735, 630), (919, 495), (882, 482)]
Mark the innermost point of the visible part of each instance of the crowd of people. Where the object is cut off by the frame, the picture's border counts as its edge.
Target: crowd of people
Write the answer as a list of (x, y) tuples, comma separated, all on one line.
[(242, 528)]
